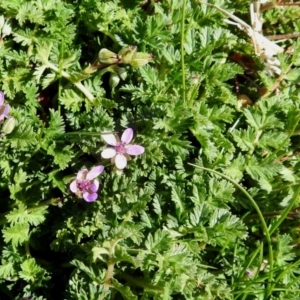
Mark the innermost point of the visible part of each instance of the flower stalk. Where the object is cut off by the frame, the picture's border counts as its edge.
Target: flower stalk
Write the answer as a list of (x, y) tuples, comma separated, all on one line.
[(79, 85)]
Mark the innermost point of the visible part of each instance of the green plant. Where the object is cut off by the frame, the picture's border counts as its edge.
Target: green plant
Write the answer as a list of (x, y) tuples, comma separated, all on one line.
[(209, 208)]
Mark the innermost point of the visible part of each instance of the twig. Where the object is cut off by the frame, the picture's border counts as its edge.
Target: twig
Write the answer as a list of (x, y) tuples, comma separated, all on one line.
[(277, 82), (279, 3), (283, 36), (288, 156)]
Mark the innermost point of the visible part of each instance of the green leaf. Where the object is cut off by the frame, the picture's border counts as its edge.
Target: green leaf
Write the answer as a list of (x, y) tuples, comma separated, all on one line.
[(49, 79), (16, 234), (146, 220), (20, 179), (22, 215), (62, 154), (149, 74), (263, 172), (24, 37), (177, 197), (71, 100), (158, 242), (123, 290), (39, 70), (56, 126), (98, 252), (30, 271), (236, 168), (293, 75), (6, 269), (245, 138), (190, 38), (287, 174), (23, 136), (171, 55), (43, 52)]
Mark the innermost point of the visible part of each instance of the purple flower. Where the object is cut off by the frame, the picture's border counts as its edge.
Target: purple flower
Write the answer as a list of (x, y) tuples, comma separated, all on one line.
[(4, 108), (85, 185), (121, 150)]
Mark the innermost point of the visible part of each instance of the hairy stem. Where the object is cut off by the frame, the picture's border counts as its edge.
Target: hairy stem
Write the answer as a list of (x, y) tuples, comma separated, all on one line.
[(277, 82), (79, 85), (182, 51), (110, 265), (109, 273)]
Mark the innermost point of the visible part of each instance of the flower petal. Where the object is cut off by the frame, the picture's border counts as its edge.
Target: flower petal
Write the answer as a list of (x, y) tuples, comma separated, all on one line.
[(90, 197), (135, 150), (127, 136), (108, 153), (4, 110), (81, 174), (120, 161), (94, 186), (94, 172), (109, 138), (73, 186), (7, 109), (1, 98)]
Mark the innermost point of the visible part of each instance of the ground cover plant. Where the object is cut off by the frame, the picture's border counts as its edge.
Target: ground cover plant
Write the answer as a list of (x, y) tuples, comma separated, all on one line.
[(149, 150)]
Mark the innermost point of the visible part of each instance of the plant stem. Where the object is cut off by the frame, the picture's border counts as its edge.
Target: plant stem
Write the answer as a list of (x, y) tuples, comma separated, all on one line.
[(109, 273), (110, 265), (182, 51), (79, 85), (274, 4), (27, 249), (88, 133), (277, 82)]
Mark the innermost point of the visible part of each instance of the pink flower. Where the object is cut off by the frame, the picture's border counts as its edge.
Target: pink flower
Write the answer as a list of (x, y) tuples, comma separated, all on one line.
[(4, 108), (121, 150), (85, 185)]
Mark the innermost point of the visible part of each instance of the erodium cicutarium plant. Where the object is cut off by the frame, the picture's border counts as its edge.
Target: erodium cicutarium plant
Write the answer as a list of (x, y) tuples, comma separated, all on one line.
[(195, 118)]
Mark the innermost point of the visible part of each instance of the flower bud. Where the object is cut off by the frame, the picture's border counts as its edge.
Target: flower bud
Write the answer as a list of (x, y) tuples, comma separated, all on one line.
[(136, 63), (141, 59), (122, 73), (126, 54), (142, 55), (9, 125), (108, 57), (114, 80)]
